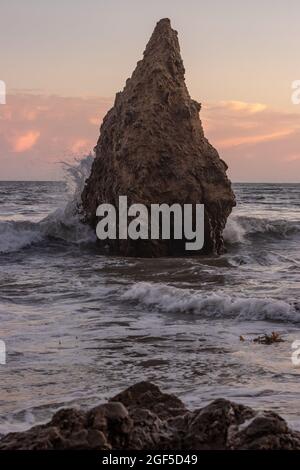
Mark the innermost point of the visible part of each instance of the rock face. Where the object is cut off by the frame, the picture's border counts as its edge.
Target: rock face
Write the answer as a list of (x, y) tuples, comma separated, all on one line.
[(144, 418), (152, 149)]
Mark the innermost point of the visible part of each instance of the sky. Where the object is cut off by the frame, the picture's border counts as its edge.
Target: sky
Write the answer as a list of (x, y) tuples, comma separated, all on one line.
[(64, 60)]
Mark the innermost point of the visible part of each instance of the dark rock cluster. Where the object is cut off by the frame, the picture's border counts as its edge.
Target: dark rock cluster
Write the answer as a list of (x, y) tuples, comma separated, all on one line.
[(144, 418)]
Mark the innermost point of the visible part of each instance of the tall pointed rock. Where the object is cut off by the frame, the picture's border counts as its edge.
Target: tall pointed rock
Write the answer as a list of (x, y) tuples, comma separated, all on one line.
[(152, 149)]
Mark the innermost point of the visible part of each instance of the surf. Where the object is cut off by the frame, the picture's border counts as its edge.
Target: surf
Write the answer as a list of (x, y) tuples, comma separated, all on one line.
[(65, 223)]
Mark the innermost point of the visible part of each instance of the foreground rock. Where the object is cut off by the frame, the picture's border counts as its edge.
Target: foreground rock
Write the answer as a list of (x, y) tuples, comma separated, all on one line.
[(152, 149), (144, 418)]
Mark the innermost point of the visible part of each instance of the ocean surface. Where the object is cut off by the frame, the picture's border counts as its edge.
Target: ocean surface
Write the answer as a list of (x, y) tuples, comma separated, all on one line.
[(80, 327)]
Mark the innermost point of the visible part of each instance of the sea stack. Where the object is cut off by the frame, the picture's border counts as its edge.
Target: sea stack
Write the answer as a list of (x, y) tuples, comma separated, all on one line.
[(152, 149)]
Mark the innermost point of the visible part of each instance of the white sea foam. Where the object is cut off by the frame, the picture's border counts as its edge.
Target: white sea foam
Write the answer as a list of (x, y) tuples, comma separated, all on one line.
[(240, 228), (234, 232), (76, 176), (211, 305)]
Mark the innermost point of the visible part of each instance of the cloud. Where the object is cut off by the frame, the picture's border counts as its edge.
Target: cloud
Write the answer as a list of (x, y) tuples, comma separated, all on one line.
[(94, 120), (252, 132), (37, 132), (45, 130), (80, 145), (251, 108), (292, 158), (25, 142), (253, 139)]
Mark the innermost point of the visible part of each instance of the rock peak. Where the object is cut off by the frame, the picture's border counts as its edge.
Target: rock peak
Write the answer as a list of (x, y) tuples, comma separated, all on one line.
[(163, 27), (163, 23), (163, 41)]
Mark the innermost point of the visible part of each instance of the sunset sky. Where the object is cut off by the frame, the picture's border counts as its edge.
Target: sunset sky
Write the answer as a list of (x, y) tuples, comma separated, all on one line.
[(63, 61)]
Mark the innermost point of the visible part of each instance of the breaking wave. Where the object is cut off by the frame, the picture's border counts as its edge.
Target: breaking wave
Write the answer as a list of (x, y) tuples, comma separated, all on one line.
[(17, 235), (239, 229), (63, 224), (215, 305)]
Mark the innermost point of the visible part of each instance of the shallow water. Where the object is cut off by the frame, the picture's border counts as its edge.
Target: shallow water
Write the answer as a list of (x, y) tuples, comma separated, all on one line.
[(80, 326)]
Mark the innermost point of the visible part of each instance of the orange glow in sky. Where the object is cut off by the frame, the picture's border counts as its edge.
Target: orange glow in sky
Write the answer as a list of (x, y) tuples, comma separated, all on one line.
[(62, 74)]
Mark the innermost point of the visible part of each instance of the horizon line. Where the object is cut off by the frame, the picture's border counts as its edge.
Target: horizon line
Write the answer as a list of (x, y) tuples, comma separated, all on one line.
[(63, 181)]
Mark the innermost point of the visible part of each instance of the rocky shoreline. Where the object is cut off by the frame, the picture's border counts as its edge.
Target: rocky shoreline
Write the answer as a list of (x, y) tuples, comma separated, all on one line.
[(144, 418)]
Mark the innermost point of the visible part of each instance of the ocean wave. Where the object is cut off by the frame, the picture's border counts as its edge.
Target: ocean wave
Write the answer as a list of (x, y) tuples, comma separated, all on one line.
[(239, 229), (215, 305), (264, 258), (63, 224), (17, 235)]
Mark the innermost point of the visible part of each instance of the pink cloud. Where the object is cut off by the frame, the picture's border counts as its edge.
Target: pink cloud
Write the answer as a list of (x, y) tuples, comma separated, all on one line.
[(258, 143), (37, 132), (25, 142), (46, 130), (80, 145), (94, 120), (252, 139), (251, 108)]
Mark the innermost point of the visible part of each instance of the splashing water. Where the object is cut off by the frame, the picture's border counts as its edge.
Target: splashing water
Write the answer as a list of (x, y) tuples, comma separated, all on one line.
[(76, 176), (64, 223)]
